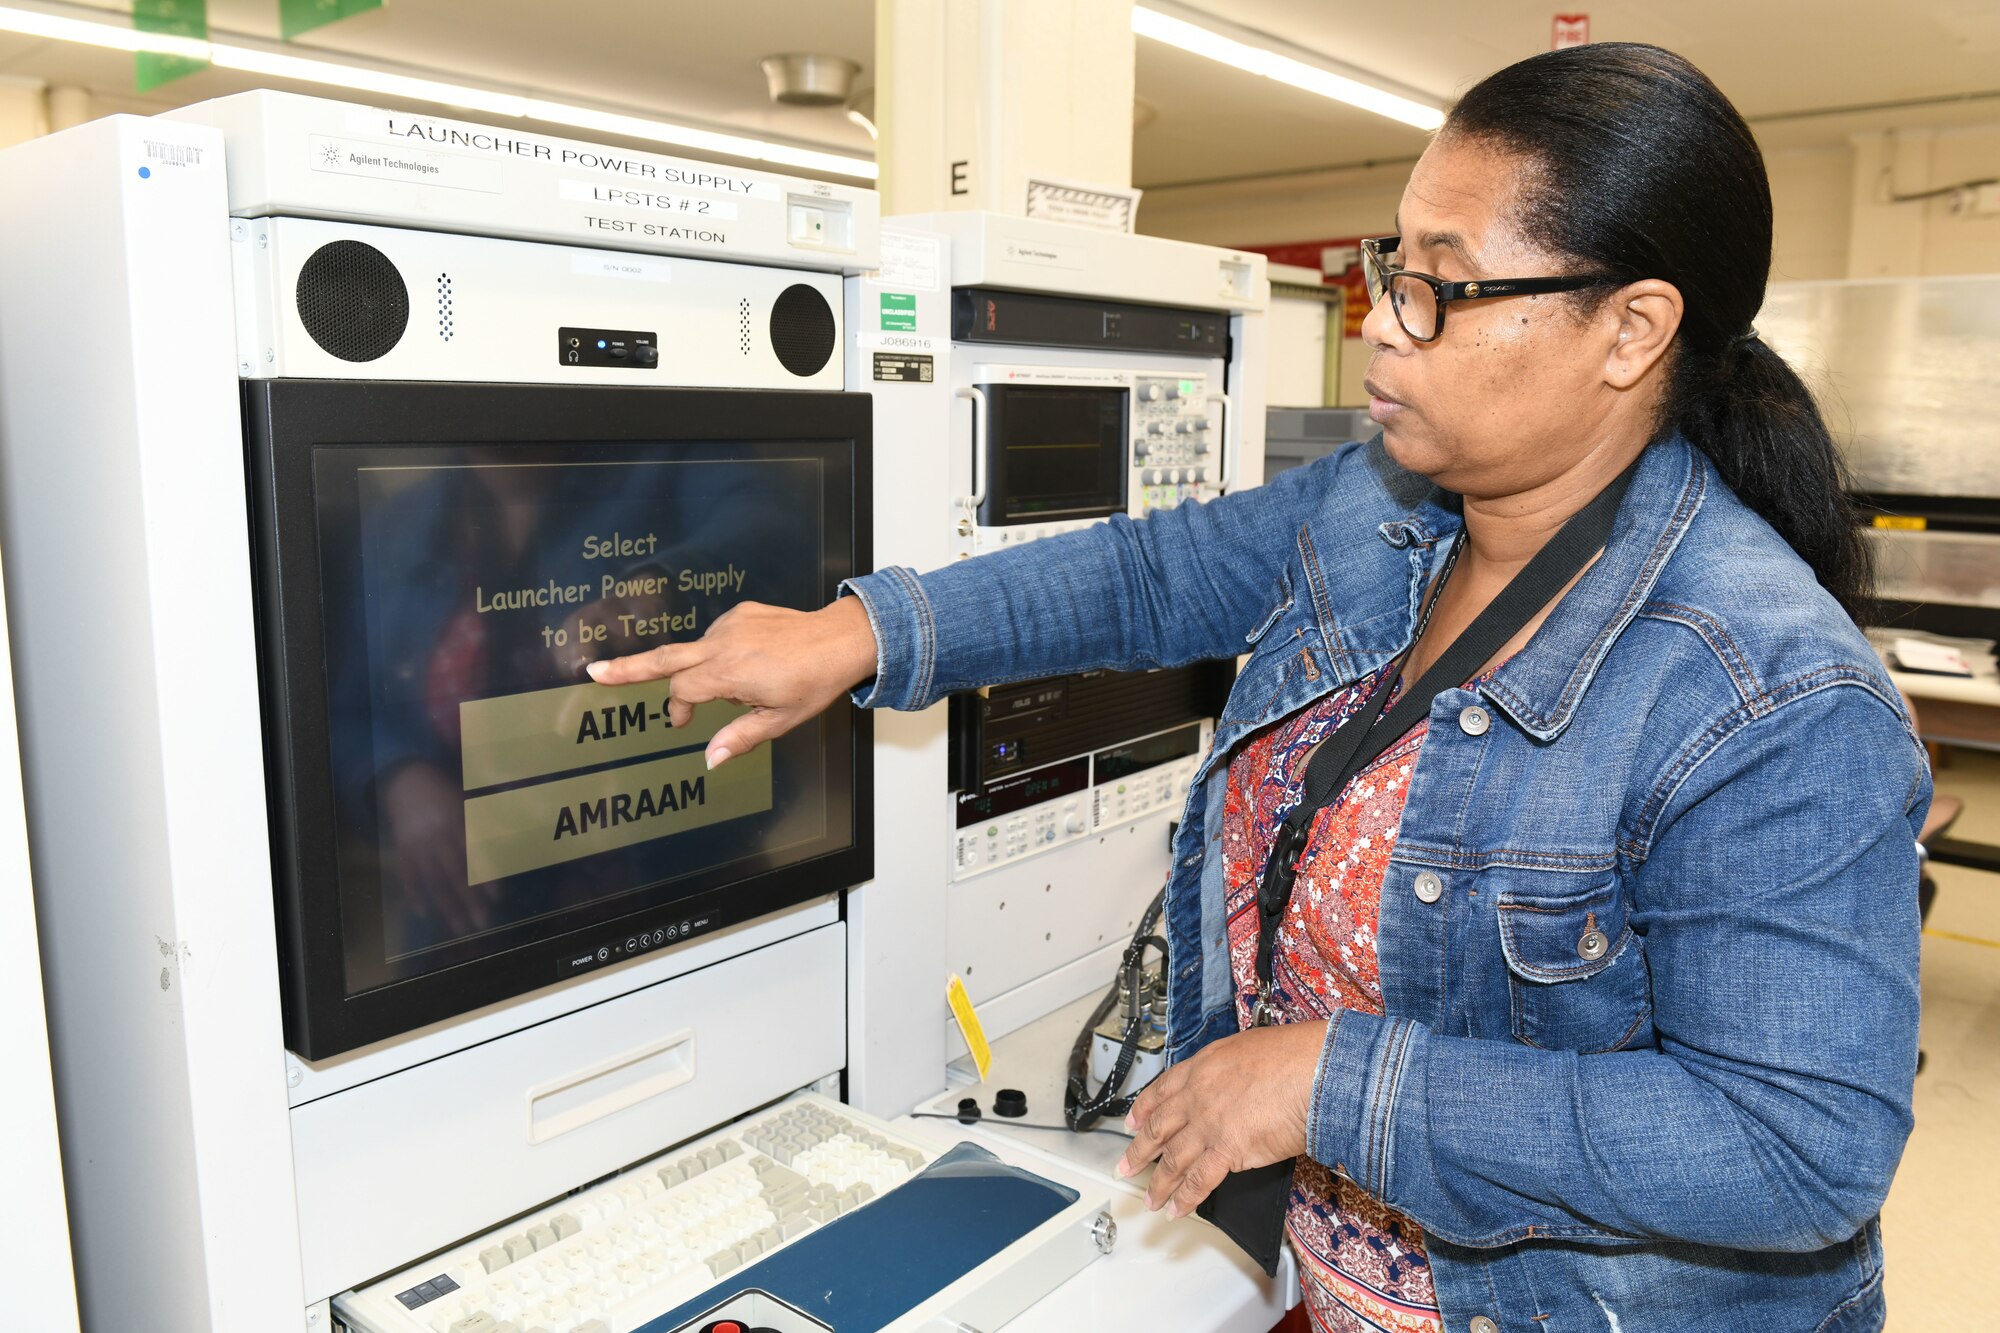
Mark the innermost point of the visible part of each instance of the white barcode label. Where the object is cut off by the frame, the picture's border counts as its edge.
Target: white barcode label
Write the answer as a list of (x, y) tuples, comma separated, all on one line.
[(172, 154)]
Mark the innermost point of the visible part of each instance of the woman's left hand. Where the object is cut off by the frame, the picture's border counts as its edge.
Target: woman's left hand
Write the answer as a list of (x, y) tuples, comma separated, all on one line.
[(1241, 1102)]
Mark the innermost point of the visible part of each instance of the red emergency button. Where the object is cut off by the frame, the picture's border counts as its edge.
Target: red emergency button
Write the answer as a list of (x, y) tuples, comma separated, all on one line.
[(725, 1326)]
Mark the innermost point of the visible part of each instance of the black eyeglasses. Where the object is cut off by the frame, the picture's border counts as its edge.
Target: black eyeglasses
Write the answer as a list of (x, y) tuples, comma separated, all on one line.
[(1419, 299)]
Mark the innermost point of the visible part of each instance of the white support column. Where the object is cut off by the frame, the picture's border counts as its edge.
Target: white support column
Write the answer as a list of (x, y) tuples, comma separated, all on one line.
[(70, 107), (23, 110), (974, 96), (1887, 239)]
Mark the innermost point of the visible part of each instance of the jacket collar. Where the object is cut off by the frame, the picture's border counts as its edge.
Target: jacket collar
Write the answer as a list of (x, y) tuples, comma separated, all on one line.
[(1541, 686)]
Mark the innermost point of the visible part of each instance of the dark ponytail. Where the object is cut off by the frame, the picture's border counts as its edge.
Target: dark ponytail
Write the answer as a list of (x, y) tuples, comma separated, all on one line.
[(1641, 168)]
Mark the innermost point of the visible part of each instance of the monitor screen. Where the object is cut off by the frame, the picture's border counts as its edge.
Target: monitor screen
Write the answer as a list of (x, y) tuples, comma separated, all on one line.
[(1061, 451), (484, 789)]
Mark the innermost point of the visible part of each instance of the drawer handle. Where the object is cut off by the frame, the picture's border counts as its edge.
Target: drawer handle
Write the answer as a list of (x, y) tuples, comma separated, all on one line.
[(611, 1086)]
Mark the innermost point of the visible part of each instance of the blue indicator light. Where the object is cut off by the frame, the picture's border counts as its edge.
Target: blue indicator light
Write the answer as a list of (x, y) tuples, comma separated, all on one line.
[(145, 173), (600, 344)]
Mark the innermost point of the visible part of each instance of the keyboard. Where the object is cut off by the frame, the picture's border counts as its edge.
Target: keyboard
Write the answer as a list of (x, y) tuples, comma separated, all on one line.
[(613, 1257)]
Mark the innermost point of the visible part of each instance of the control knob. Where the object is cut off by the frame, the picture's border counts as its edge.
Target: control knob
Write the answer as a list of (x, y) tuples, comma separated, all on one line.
[(1140, 448), (1151, 393), (1073, 823), (1186, 428)]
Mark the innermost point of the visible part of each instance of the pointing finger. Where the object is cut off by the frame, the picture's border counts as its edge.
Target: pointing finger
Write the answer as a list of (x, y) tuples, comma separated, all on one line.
[(653, 664)]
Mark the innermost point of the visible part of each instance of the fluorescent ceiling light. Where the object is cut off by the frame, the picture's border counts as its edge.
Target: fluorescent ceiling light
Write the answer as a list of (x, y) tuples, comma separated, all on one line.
[(32, 23), (1313, 76), (355, 78), (278, 64)]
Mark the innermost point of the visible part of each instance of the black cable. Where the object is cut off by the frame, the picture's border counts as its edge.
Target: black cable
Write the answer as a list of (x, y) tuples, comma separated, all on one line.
[(1011, 1124), (1083, 1109)]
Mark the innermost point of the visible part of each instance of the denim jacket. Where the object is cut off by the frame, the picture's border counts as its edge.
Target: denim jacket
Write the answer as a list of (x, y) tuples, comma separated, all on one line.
[(1688, 1124)]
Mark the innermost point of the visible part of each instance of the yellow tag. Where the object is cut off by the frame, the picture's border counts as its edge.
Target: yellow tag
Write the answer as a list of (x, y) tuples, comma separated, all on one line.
[(1901, 522), (968, 1023)]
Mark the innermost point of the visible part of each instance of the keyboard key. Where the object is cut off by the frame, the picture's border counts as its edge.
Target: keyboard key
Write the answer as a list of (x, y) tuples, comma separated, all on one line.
[(479, 1321), (565, 1225), (723, 1261), (519, 1248), (544, 1236), (493, 1258)]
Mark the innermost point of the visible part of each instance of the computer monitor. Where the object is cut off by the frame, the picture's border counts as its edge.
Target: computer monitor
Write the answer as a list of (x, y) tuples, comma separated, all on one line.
[(461, 815)]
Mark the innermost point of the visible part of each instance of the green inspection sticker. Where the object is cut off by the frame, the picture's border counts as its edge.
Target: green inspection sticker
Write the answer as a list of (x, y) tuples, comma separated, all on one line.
[(899, 312)]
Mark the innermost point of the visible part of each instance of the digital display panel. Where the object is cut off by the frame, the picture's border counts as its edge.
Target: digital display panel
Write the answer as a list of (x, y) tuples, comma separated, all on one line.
[(1018, 793), (1122, 761), (485, 790), (1059, 451)]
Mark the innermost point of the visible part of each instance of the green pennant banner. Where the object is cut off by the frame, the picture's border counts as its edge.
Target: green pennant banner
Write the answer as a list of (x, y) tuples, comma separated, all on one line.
[(297, 16), (181, 18)]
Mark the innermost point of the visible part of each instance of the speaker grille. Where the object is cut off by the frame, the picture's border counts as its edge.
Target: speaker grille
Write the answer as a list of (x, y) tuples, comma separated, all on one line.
[(743, 326), (353, 301), (444, 306), (802, 330)]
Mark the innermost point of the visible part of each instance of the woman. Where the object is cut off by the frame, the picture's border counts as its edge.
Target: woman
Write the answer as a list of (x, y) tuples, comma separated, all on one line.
[(1602, 1013)]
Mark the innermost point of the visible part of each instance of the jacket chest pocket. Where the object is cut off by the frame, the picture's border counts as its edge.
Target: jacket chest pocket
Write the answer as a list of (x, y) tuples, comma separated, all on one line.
[(1281, 602), (1277, 653), (1576, 974)]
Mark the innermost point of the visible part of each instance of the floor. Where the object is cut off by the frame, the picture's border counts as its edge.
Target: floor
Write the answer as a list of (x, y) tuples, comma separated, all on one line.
[(1939, 1227)]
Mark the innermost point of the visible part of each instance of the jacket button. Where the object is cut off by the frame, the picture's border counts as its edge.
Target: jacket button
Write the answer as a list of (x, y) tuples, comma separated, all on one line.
[(1592, 946), (1473, 721), (1481, 1324), (1428, 888)]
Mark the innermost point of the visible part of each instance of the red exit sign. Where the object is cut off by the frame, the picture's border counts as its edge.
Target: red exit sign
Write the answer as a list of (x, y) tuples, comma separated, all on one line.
[(1570, 30)]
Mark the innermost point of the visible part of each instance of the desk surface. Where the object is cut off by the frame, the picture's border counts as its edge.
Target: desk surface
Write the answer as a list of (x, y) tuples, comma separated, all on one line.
[(1978, 689), (1163, 1273), (1959, 710)]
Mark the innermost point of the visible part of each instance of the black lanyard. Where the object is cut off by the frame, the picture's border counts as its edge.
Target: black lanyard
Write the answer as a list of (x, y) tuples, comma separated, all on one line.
[(1363, 737)]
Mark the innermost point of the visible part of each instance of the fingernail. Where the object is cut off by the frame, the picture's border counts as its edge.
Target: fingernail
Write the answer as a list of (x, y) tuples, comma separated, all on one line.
[(596, 670), (1124, 1168), (717, 757), (1174, 1210)]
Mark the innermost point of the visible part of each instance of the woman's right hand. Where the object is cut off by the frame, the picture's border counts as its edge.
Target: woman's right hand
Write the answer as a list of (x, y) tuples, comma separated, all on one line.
[(786, 666)]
